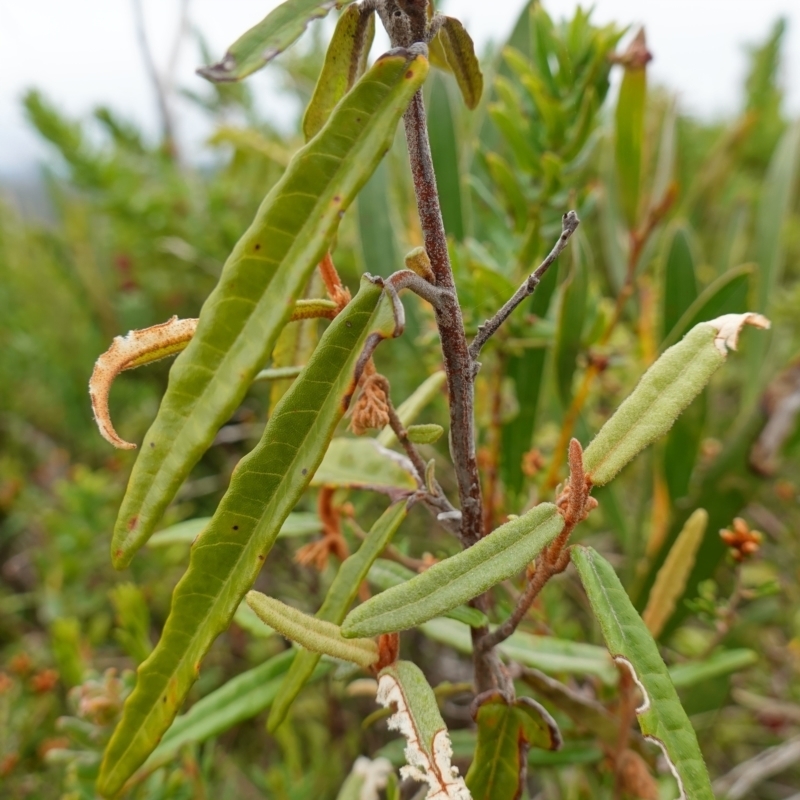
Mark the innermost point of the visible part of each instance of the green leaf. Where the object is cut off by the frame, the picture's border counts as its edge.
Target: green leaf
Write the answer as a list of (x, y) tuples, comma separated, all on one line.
[(337, 603), (459, 51), (425, 434), (661, 716), (721, 663), (241, 698), (672, 577), (345, 63), (445, 149), (311, 633), (505, 734), (680, 281), (527, 372), (364, 464), (298, 523), (514, 200), (403, 687), (260, 282), (385, 574), (571, 316), (664, 391), (228, 556), (457, 579), (277, 31), (550, 655), (629, 138)]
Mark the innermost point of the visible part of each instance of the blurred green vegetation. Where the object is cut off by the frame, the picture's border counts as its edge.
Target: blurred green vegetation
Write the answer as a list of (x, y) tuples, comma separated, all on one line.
[(682, 220)]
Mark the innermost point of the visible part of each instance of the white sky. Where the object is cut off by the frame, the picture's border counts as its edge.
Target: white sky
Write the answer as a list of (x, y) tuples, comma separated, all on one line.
[(84, 52)]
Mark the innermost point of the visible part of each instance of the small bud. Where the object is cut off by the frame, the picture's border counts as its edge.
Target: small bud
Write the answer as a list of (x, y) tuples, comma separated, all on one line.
[(741, 541), (417, 261)]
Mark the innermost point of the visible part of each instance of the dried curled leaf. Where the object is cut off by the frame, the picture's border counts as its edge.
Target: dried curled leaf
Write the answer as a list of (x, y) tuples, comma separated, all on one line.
[(428, 750), (127, 352)]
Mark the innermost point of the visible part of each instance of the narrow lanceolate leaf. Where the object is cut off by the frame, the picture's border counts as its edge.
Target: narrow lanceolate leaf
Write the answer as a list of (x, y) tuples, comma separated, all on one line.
[(661, 716), (672, 577), (227, 557), (680, 280), (664, 391), (241, 698), (345, 62), (127, 352), (629, 128), (260, 282), (337, 603), (277, 31), (428, 748), (505, 734), (311, 633), (457, 579), (459, 51)]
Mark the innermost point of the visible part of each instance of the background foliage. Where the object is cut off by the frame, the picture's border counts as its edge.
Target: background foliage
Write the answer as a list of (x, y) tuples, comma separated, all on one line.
[(683, 219)]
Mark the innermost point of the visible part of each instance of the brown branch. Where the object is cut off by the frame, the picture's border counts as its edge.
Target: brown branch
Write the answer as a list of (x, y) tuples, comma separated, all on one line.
[(569, 224)]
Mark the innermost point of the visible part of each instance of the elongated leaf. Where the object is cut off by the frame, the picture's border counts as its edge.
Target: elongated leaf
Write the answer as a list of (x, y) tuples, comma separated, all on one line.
[(572, 314), (385, 574), (403, 687), (459, 578), (364, 464), (722, 663), (460, 54), (551, 655), (277, 31), (311, 633), (661, 716), (680, 281), (505, 734), (266, 272), (664, 391), (345, 62), (337, 603), (241, 698), (226, 559), (629, 136), (298, 523), (672, 577), (445, 151), (366, 778)]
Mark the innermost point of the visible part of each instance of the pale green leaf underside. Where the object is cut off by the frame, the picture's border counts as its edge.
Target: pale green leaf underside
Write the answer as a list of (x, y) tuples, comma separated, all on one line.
[(363, 464), (661, 716), (664, 391), (226, 559), (457, 579), (277, 31), (311, 633), (267, 271)]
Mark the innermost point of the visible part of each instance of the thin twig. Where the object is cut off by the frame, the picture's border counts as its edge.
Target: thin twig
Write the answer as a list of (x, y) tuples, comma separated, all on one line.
[(569, 224), (741, 780)]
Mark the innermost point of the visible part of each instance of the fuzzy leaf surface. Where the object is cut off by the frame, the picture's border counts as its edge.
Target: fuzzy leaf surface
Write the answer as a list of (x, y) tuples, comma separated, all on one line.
[(228, 556), (255, 296), (461, 577), (664, 391), (255, 48), (661, 715)]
